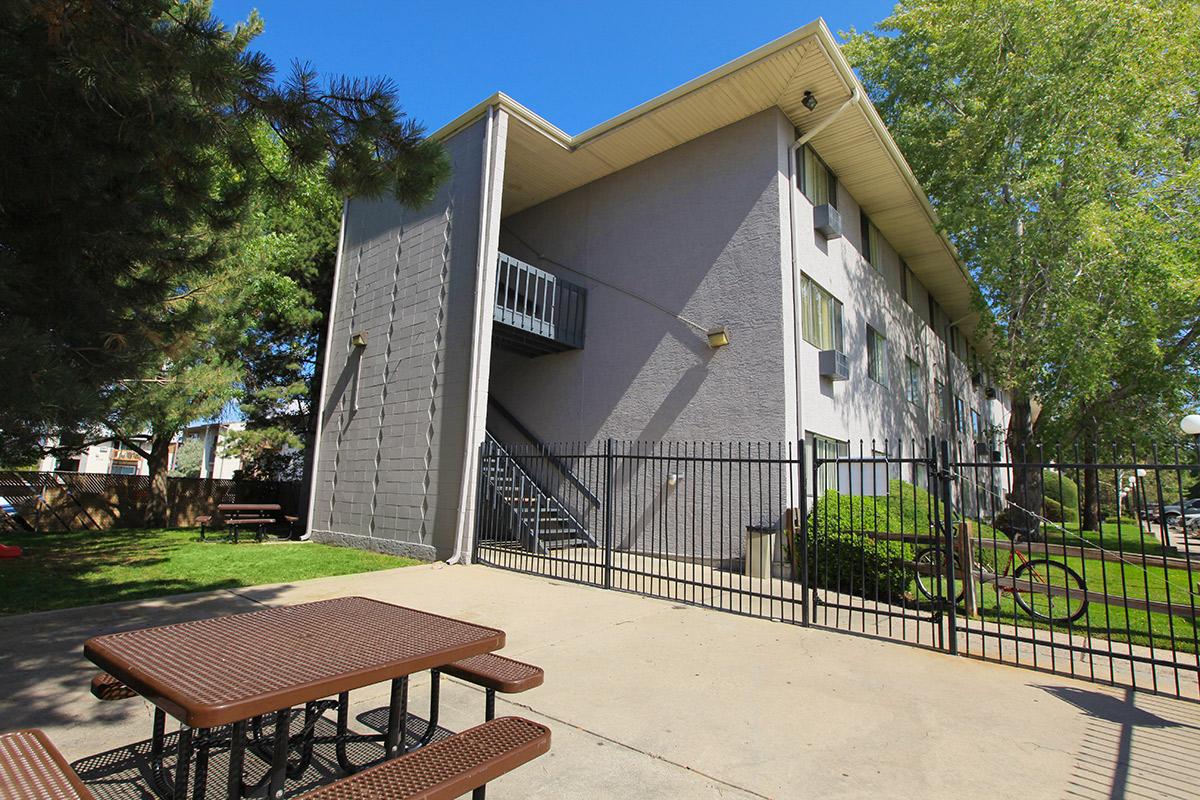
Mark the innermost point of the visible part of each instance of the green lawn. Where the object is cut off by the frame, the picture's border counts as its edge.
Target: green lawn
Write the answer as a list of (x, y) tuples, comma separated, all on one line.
[(65, 570), (1130, 578)]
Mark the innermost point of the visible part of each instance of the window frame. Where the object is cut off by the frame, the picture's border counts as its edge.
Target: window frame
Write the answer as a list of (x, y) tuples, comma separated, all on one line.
[(818, 168), (913, 389), (822, 315), (877, 357)]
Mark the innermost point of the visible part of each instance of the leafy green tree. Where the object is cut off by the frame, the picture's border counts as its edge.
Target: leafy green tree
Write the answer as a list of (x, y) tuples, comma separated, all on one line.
[(188, 457), (287, 261), (129, 131), (1059, 142)]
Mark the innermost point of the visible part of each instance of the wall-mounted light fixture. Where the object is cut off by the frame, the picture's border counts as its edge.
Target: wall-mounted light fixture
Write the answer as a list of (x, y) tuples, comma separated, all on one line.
[(718, 338), (358, 339), (673, 479), (809, 100)]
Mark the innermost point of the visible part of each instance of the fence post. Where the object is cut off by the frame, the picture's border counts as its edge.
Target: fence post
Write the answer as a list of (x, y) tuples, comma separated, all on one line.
[(948, 527), (966, 554), (609, 478), (800, 548)]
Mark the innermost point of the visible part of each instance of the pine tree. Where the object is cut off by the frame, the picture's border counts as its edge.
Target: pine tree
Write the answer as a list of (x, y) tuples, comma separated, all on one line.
[(127, 129)]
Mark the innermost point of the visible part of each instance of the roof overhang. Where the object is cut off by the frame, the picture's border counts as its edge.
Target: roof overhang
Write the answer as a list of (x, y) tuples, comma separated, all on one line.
[(543, 161)]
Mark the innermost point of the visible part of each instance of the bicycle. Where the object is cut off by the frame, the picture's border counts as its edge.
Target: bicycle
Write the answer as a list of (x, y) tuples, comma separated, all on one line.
[(1042, 604)]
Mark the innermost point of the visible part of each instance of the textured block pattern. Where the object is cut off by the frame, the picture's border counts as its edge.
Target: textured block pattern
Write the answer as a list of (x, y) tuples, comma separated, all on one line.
[(393, 412)]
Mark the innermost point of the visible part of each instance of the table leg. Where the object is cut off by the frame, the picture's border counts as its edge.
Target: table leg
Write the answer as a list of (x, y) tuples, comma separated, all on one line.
[(394, 739), (183, 762), (200, 784), (279, 761), (435, 684), (237, 760), (159, 781)]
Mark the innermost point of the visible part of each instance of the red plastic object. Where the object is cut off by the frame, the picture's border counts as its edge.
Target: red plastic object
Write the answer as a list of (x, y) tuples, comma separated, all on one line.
[(9, 551)]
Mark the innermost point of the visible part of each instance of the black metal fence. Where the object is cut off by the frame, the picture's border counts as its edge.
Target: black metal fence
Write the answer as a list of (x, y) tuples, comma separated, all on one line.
[(919, 542), (64, 501)]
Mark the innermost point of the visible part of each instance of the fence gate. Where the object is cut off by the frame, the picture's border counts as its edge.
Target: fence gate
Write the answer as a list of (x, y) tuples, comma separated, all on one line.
[(916, 542)]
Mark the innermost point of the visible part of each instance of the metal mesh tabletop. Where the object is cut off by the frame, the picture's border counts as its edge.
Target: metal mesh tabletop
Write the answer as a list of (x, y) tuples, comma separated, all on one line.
[(216, 671)]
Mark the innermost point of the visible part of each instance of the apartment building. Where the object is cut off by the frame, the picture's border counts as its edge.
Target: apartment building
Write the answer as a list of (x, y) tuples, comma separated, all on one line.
[(745, 258)]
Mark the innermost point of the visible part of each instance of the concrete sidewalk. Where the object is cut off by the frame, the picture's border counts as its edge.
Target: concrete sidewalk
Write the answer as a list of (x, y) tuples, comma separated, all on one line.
[(650, 699)]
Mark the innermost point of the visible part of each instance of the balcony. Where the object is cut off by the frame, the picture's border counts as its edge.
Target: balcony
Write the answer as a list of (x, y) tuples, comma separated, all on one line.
[(536, 313)]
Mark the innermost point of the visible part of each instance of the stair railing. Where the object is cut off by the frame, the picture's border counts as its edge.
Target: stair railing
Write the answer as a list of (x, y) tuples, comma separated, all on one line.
[(546, 453)]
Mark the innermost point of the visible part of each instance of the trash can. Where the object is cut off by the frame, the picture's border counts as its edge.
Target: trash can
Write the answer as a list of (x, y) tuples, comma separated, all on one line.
[(760, 550)]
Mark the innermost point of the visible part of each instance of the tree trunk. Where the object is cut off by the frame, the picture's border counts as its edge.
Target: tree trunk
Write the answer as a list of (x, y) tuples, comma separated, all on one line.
[(1090, 519), (1025, 497), (159, 462)]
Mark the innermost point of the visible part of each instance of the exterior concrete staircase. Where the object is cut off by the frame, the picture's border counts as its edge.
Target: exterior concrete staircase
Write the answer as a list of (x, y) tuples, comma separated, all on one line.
[(518, 509)]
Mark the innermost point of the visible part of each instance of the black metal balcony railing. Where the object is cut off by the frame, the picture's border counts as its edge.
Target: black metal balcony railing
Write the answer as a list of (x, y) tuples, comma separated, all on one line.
[(537, 312)]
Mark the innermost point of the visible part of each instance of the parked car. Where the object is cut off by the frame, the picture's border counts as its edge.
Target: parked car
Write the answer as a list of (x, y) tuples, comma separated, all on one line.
[(1171, 514)]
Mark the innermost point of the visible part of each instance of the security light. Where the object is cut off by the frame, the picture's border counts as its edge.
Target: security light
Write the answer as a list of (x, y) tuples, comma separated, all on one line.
[(358, 339), (718, 338), (809, 100)]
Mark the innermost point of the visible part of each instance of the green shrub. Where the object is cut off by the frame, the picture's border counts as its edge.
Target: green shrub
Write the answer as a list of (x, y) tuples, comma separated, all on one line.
[(1062, 490), (842, 559), (1051, 509)]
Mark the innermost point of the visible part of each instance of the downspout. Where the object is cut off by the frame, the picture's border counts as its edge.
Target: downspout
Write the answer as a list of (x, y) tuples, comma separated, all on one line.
[(951, 419), (320, 409), (466, 499), (793, 153)]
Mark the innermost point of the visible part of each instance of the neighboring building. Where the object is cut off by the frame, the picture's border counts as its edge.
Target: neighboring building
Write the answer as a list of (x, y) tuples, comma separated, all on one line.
[(569, 284), (110, 458)]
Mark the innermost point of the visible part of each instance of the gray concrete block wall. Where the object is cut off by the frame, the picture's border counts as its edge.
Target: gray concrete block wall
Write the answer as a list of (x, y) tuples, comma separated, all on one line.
[(391, 449)]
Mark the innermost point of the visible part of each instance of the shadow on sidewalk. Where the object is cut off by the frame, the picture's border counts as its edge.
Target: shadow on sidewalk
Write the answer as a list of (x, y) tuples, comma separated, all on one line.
[(125, 773), (1135, 745)]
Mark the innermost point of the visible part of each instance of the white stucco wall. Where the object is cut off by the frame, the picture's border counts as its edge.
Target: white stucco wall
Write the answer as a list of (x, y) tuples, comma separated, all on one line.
[(859, 409)]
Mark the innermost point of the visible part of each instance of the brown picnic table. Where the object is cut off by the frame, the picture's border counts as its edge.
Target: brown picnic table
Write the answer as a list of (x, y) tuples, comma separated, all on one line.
[(222, 677), (247, 515)]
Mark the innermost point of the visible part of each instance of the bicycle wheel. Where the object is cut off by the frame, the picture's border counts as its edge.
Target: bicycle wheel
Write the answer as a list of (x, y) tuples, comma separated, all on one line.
[(931, 574), (1039, 589)]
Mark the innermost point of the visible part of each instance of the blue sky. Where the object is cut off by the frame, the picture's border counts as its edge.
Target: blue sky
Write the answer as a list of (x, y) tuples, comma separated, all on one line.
[(577, 64)]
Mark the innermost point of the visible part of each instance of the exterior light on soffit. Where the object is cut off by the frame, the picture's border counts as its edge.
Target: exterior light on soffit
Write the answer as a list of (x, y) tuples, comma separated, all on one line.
[(809, 100)]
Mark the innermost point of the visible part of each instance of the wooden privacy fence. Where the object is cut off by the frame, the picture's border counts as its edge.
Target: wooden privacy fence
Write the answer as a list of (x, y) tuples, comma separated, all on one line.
[(66, 501)]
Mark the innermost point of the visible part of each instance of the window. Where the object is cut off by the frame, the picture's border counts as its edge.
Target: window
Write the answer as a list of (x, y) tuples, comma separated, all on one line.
[(824, 447), (977, 425), (821, 316), (871, 240), (913, 384), (877, 356), (123, 469), (960, 416), (816, 180)]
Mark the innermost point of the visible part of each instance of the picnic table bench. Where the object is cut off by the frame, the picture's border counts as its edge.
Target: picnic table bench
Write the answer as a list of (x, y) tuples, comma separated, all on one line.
[(32, 768), (241, 515)]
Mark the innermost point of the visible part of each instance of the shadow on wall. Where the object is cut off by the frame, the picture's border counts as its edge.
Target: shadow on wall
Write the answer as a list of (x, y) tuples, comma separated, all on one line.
[(349, 373), (1135, 745), (45, 671)]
